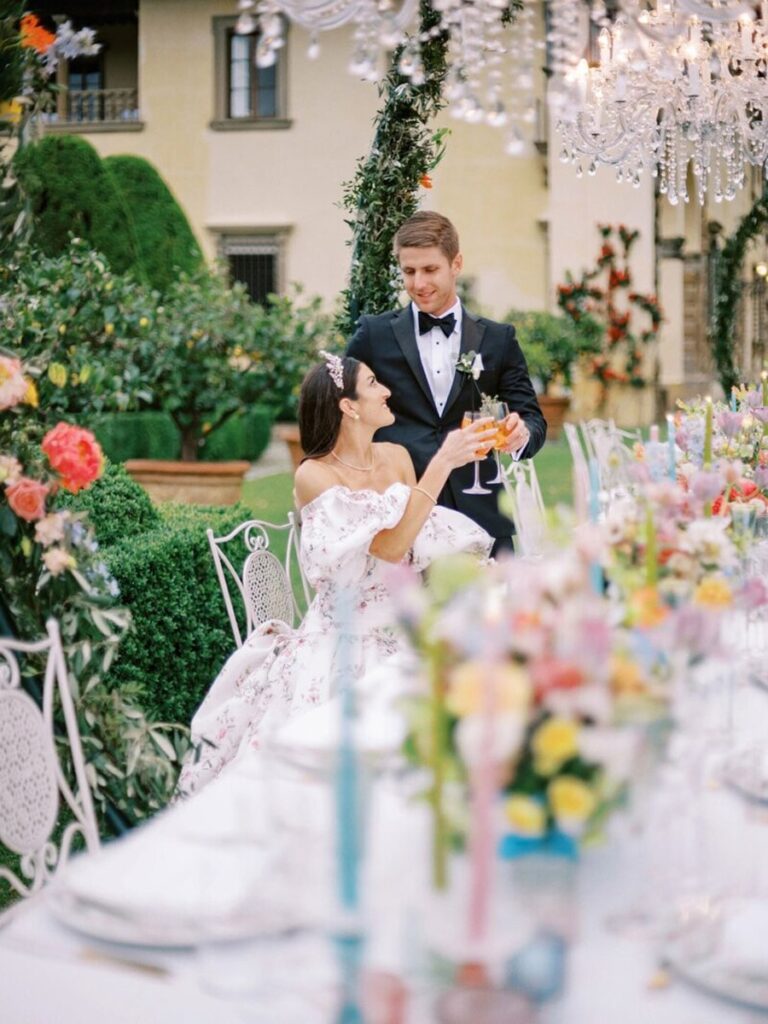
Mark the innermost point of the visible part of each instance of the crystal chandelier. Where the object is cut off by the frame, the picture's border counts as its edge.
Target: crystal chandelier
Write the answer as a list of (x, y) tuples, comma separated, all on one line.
[(677, 85), (490, 57)]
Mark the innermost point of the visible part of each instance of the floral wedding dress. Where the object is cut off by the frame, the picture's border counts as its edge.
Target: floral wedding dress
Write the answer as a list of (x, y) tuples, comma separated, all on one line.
[(280, 672)]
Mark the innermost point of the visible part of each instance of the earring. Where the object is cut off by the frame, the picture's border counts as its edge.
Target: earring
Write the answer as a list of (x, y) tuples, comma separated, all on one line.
[(357, 415)]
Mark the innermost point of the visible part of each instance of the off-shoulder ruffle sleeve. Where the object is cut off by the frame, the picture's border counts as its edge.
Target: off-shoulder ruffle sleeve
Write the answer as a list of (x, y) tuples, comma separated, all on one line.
[(448, 532), (338, 526)]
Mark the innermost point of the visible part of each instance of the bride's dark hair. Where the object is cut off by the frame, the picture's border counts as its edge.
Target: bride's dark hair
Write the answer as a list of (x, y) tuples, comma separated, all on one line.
[(319, 412)]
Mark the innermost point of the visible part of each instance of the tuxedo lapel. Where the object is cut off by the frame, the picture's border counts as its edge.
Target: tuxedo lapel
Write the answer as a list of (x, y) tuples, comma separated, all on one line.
[(405, 335), (472, 332)]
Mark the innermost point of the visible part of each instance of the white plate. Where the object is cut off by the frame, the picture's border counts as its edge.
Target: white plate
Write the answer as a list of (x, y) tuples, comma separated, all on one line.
[(114, 924), (709, 956)]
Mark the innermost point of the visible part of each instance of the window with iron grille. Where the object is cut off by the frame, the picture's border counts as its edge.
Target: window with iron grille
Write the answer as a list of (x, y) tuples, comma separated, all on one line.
[(255, 262)]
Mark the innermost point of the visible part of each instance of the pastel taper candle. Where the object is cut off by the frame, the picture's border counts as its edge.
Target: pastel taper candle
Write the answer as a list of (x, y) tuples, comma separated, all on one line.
[(708, 432), (672, 466)]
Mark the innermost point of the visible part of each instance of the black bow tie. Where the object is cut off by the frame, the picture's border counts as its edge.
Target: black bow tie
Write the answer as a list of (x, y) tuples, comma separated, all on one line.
[(445, 323)]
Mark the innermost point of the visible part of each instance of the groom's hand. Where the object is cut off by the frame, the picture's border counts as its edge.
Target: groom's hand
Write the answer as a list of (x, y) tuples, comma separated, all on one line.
[(518, 434)]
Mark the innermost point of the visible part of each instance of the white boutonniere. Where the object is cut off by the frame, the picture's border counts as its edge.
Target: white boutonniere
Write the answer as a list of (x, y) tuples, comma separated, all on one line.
[(470, 364)]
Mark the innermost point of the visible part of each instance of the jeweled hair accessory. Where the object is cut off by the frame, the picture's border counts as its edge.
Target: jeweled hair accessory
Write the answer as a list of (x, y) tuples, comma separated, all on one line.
[(335, 368)]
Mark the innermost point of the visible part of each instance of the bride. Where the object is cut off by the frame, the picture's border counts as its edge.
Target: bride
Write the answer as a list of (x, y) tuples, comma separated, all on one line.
[(361, 507)]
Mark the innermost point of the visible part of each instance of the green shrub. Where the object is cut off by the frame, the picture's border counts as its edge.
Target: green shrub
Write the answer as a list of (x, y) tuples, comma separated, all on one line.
[(117, 507), (137, 435), (86, 332), (243, 436), (164, 238), (71, 192), (181, 635)]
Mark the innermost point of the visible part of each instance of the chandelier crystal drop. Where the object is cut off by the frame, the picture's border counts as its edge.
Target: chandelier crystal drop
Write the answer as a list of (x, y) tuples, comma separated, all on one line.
[(491, 57), (678, 88)]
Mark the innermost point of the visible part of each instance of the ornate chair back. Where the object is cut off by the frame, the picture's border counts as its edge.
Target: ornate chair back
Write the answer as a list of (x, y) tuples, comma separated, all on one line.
[(528, 512), (33, 785), (264, 582), (580, 471)]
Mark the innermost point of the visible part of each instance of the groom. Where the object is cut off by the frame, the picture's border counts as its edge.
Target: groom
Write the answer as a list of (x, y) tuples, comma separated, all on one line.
[(414, 352)]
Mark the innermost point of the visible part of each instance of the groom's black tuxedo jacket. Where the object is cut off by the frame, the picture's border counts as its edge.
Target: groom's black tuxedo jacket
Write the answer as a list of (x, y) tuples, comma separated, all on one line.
[(387, 343)]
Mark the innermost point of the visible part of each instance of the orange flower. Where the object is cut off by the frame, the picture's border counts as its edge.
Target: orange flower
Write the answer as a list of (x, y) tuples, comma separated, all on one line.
[(646, 608), (34, 36), (75, 454), (27, 499), (425, 181)]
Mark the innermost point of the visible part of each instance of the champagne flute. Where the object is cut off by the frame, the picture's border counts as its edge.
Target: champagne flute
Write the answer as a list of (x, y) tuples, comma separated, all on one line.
[(499, 411), (468, 419)]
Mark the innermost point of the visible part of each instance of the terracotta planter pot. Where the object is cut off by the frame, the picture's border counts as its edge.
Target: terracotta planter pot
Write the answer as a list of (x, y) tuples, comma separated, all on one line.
[(554, 409), (289, 432), (190, 483)]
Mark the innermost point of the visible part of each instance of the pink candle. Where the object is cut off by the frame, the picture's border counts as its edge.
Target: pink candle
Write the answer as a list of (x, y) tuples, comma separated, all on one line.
[(481, 847)]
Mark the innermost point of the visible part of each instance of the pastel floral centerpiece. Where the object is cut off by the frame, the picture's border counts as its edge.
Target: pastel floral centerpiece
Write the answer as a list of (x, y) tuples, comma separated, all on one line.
[(523, 653)]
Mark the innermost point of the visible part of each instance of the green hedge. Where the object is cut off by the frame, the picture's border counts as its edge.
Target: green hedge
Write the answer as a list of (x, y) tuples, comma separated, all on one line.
[(71, 192), (137, 435), (164, 238), (245, 435), (181, 635), (117, 507), (154, 435)]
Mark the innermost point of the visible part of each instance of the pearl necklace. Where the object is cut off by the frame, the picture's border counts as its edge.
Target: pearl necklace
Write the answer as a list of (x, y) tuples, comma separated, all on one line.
[(360, 469)]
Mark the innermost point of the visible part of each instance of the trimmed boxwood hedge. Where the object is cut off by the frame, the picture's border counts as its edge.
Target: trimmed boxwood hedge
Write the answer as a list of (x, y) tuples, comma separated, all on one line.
[(164, 237), (71, 192), (154, 435), (137, 435), (181, 635), (162, 562), (245, 435)]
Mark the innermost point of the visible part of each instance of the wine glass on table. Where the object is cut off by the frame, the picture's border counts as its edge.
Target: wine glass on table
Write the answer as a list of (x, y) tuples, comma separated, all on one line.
[(500, 412), (468, 419)]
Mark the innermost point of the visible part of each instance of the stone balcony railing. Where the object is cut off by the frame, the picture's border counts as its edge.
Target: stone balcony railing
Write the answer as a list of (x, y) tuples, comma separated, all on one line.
[(95, 110)]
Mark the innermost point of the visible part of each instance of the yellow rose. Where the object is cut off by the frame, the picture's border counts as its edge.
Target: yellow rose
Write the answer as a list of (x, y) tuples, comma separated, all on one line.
[(713, 593), (57, 374), (572, 801), (109, 328), (527, 816), (466, 688), (554, 742), (74, 380), (144, 322), (31, 397), (85, 373), (26, 546), (62, 328)]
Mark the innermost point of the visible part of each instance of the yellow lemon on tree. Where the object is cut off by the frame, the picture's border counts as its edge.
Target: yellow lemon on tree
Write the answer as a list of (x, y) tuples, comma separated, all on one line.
[(57, 374)]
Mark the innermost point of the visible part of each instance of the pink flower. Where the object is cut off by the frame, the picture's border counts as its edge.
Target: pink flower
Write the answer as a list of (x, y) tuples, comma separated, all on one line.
[(75, 454), (50, 529), (10, 470), (27, 498), (57, 561), (13, 386)]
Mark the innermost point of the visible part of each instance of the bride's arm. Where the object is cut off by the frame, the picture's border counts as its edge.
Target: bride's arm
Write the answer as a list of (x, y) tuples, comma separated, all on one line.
[(457, 449)]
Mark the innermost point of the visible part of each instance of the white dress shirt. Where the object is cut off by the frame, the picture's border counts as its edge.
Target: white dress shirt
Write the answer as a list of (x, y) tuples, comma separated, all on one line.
[(439, 354)]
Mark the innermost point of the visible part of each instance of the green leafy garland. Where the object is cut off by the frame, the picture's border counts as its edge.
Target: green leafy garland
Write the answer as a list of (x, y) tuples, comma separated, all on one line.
[(385, 189), (728, 287)]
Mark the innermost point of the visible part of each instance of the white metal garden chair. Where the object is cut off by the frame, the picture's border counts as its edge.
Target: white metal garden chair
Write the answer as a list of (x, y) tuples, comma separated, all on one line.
[(264, 583), (32, 780), (528, 512), (580, 471)]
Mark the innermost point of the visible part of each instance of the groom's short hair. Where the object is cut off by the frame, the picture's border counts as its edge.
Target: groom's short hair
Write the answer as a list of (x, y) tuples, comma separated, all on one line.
[(425, 229)]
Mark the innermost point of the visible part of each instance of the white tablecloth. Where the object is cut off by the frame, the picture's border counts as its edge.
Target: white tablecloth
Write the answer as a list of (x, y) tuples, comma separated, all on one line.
[(50, 972)]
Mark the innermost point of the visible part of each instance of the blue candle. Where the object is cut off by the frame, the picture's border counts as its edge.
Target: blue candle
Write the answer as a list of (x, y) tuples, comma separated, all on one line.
[(347, 817), (672, 468), (595, 569)]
